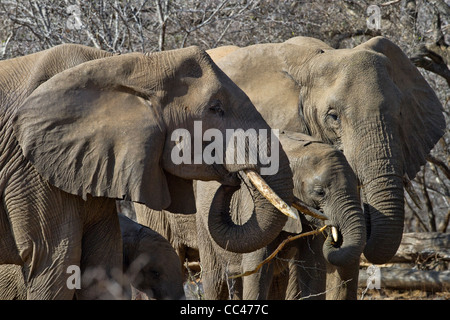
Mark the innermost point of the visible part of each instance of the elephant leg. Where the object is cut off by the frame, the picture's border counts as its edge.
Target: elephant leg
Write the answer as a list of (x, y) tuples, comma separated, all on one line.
[(342, 282), (101, 261), (293, 291), (213, 277), (47, 231), (307, 280), (214, 287), (284, 267), (256, 286), (279, 285)]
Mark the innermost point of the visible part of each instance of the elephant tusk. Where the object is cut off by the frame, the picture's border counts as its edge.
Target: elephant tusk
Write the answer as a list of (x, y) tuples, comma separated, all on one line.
[(410, 189), (269, 194), (310, 211), (334, 234)]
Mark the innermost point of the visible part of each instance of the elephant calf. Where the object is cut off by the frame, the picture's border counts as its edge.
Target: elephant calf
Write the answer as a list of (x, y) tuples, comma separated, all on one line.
[(150, 265), (322, 179)]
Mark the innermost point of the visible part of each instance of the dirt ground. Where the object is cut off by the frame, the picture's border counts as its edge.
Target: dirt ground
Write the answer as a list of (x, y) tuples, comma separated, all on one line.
[(388, 294), (194, 292)]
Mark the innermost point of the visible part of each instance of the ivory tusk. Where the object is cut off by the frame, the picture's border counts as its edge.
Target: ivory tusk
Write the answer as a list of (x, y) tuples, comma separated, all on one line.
[(269, 194), (334, 234), (310, 211), (410, 189)]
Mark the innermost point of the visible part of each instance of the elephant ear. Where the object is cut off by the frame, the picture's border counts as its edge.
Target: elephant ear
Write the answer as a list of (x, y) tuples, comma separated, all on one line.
[(97, 129), (423, 122)]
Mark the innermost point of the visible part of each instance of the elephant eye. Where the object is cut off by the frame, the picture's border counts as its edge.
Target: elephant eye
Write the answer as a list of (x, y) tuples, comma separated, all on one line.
[(332, 115), (216, 107), (319, 191)]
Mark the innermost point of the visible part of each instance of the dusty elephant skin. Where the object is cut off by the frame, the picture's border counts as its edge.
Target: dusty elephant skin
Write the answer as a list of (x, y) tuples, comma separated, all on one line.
[(369, 101), (80, 127), (322, 179), (178, 229), (151, 265)]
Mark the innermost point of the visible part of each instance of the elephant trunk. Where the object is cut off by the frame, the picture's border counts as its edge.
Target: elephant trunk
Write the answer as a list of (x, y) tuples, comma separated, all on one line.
[(380, 172), (384, 212), (347, 244), (265, 223)]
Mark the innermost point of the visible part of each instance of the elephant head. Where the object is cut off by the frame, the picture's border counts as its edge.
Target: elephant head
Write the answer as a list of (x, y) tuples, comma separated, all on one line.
[(370, 102), (324, 180), (106, 128), (150, 262)]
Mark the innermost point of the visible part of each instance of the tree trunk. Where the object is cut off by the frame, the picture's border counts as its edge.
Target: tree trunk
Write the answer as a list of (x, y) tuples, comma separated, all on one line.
[(419, 246)]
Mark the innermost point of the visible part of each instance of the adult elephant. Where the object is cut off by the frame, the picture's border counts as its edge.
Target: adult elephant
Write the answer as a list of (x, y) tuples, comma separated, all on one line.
[(369, 101), (323, 180), (81, 127)]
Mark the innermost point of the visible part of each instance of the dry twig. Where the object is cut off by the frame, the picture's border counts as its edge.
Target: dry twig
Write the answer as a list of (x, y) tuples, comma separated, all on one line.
[(278, 249)]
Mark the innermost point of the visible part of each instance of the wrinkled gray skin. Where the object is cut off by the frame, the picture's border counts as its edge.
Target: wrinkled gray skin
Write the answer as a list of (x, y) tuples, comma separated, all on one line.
[(308, 274), (12, 284), (370, 101), (67, 116), (178, 229), (322, 179), (150, 264)]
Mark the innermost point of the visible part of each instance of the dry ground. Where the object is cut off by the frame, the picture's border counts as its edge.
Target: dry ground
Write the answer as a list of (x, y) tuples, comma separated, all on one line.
[(388, 294)]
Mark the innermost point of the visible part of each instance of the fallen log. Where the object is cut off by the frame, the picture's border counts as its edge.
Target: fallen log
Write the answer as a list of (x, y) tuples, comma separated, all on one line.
[(407, 279), (406, 270), (420, 246), (423, 245)]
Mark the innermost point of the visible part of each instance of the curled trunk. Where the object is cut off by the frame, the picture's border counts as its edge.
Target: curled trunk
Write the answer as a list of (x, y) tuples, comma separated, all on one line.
[(261, 228), (345, 247)]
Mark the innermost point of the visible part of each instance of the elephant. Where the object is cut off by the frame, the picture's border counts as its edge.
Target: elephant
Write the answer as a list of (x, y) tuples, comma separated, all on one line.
[(316, 167), (323, 180), (81, 128), (150, 264), (178, 229), (370, 102)]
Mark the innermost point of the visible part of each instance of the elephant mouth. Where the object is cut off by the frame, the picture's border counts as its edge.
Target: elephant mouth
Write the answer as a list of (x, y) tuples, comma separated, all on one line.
[(232, 179), (227, 178), (334, 233), (308, 210)]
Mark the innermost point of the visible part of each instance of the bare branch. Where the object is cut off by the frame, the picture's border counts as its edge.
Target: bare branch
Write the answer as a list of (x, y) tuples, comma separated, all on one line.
[(278, 249)]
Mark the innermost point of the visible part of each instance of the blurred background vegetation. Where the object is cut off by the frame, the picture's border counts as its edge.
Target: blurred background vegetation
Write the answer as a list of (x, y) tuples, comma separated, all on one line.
[(421, 28)]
